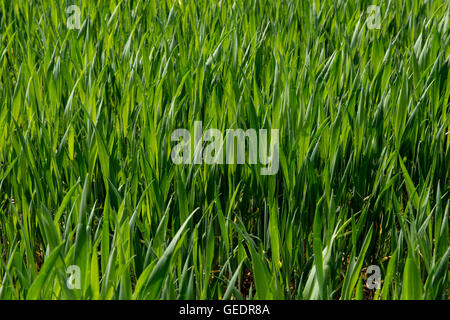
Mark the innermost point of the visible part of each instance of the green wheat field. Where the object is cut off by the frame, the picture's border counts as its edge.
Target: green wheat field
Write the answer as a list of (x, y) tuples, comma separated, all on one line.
[(88, 187)]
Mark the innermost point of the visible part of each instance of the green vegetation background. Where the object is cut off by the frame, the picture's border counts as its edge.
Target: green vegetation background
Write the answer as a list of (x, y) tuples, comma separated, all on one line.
[(86, 177)]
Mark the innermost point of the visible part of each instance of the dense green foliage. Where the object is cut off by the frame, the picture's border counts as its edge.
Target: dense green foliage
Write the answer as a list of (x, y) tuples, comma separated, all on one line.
[(86, 176)]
